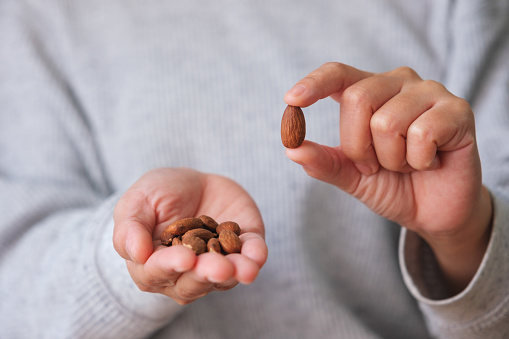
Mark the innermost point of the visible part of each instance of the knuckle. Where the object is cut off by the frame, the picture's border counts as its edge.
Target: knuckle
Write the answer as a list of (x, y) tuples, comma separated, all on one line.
[(335, 66), (464, 106), (326, 68), (311, 79), (406, 72), (419, 134), (356, 96), (432, 86), (460, 109), (384, 125)]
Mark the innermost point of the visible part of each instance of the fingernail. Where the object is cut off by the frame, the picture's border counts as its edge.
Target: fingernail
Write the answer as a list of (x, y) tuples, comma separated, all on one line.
[(180, 269), (296, 91), (214, 280), (128, 249), (364, 169)]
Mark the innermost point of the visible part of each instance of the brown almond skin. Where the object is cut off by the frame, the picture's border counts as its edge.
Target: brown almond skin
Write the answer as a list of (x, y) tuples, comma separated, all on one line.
[(208, 222), (293, 127), (228, 225), (181, 226), (213, 245), (196, 244), (230, 242), (167, 238), (200, 233)]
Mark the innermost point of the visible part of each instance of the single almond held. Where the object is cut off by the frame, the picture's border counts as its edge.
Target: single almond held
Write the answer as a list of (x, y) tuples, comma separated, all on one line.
[(293, 127)]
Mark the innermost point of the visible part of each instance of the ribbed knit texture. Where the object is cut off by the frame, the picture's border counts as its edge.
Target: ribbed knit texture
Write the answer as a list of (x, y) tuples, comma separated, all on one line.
[(95, 93)]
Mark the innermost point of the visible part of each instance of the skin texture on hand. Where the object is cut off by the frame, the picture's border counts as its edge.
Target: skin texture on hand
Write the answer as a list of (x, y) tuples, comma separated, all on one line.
[(408, 151), (165, 195)]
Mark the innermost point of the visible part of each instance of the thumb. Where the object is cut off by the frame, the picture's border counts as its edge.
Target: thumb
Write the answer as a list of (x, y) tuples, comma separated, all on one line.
[(327, 164), (134, 223)]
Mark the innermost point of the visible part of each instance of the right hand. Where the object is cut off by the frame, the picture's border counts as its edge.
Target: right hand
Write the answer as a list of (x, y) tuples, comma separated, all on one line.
[(165, 195), (409, 152)]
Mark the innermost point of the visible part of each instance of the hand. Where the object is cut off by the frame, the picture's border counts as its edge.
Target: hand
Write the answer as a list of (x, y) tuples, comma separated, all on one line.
[(165, 195), (408, 151)]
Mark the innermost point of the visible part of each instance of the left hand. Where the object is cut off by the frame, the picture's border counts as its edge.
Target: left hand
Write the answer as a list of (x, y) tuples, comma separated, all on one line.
[(408, 151)]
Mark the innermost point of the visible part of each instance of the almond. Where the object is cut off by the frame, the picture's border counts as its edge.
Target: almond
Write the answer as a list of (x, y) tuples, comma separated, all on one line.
[(293, 127), (167, 238), (228, 225), (199, 233), (203, 234), (213, 245), (230, 242), (181, 226), (196, 244), (208, 222)]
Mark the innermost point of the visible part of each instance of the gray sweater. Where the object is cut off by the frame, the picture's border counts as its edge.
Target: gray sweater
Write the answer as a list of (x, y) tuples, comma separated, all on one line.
[(95, 93)]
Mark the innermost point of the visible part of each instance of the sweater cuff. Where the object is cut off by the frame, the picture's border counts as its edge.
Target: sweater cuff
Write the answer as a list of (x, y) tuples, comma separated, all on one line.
[(117, 299), (483, 305)]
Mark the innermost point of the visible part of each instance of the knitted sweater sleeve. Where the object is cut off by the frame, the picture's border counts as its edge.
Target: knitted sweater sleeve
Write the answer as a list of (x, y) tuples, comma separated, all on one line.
[(479, 72), (59, 274)]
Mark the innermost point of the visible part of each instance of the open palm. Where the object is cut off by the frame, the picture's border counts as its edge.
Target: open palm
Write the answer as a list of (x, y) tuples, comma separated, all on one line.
[(165, 195)]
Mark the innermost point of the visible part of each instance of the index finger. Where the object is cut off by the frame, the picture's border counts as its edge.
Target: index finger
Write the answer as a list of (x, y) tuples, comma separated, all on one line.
[(330, 79)]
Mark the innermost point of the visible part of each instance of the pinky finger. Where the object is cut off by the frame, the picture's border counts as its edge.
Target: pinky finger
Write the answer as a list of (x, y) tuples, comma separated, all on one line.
[(431, 133), (254, 248), (422, 149)]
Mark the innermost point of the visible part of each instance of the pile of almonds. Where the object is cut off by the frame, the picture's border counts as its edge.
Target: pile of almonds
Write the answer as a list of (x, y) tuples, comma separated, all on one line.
[(203, 234)]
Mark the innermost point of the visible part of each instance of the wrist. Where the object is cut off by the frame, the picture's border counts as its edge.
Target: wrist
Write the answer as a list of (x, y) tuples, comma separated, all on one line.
[(459, 254)]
